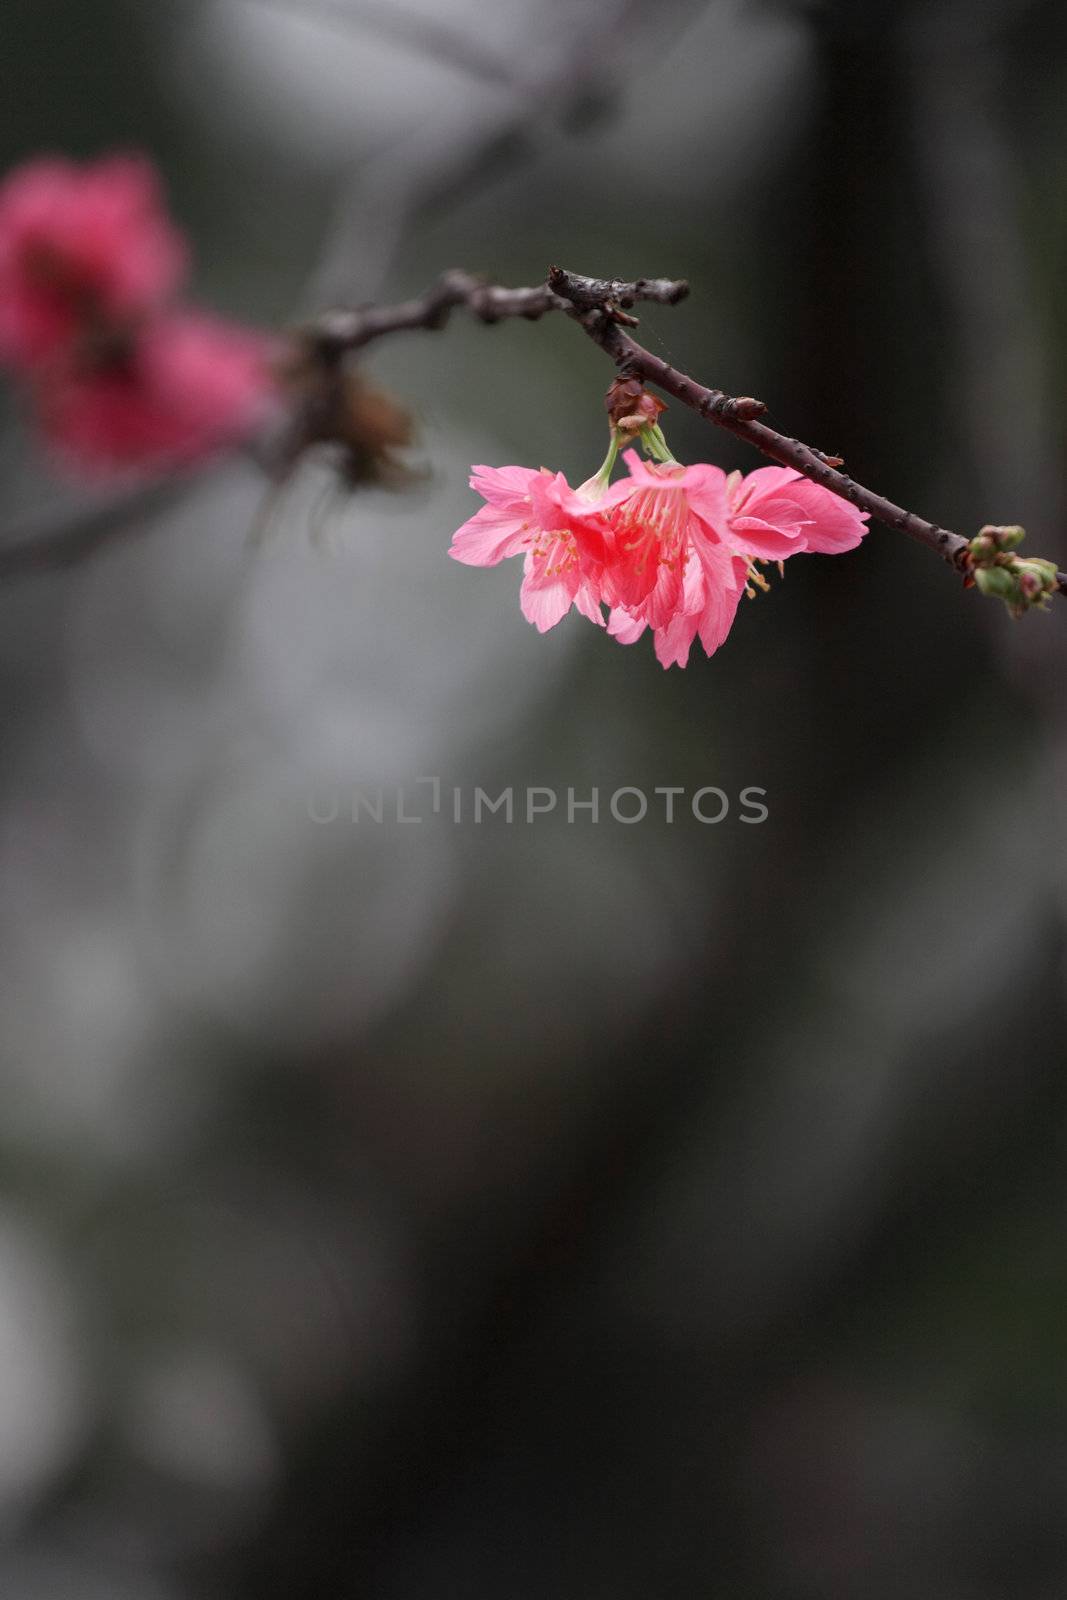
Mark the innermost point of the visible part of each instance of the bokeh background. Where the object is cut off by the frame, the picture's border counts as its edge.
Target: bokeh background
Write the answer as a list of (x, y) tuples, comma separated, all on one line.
[(556, 1210)]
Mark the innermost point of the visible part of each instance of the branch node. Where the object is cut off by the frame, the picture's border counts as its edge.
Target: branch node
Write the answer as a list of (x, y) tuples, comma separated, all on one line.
[(745, 408)]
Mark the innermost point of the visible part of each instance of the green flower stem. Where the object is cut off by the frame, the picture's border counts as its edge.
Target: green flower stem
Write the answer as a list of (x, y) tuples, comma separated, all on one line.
[(655, 444)]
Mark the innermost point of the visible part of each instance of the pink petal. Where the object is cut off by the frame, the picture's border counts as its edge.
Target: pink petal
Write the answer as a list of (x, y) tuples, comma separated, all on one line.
[(694, 582), (502, 486), (544, 603), (765, 483), (664, 600), (587, 601), (725, 578), (674, 642), (705, 489), (624, 628), (834, 524), (488, 537), (556, 507), (773, 540), (641, 470)]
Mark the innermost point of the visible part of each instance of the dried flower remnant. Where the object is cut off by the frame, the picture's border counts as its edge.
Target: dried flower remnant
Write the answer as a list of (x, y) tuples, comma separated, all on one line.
[(332, 404)]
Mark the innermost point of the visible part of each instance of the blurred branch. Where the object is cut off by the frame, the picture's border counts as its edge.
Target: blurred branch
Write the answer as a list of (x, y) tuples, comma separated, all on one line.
[(577, 64), (62, 536), (425, 35)]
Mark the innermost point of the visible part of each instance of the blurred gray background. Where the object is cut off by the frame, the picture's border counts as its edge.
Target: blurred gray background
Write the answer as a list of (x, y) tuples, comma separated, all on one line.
[(595, 1211)]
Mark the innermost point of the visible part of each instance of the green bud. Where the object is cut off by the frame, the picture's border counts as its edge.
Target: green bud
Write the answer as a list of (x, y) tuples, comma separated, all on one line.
[(1045, 570), (1003, 538), (1024, 583), (997, 581), (1037, 581)]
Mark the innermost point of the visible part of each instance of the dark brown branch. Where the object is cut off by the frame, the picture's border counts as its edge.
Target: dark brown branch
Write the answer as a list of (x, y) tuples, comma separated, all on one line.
[(600, 306), (739, 417), (599, 294), (336, 332), (339, 331)]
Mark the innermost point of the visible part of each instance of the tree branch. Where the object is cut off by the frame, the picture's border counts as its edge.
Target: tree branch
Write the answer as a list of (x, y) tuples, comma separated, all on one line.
[(600, 306), (336, 332)]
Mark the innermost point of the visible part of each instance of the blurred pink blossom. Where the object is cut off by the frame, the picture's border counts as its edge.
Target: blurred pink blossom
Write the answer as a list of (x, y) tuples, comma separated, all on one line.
[(118, 376), (190, 385), (82, 250)]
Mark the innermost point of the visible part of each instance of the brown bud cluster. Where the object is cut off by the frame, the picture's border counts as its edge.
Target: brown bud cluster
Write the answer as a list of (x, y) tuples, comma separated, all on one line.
[(630, 407)]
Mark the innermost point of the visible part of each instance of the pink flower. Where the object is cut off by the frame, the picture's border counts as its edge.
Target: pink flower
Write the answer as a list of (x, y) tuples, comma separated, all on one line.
[(561, 533), (671, 548), (684, 540), (81, 249), (189, 385)]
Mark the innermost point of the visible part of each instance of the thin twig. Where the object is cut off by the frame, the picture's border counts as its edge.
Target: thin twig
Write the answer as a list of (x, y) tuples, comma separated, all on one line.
[(339, 331)]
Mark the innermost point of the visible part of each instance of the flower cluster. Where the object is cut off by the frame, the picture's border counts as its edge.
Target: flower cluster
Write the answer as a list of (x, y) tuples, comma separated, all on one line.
[(670, 547), (117, 373)]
